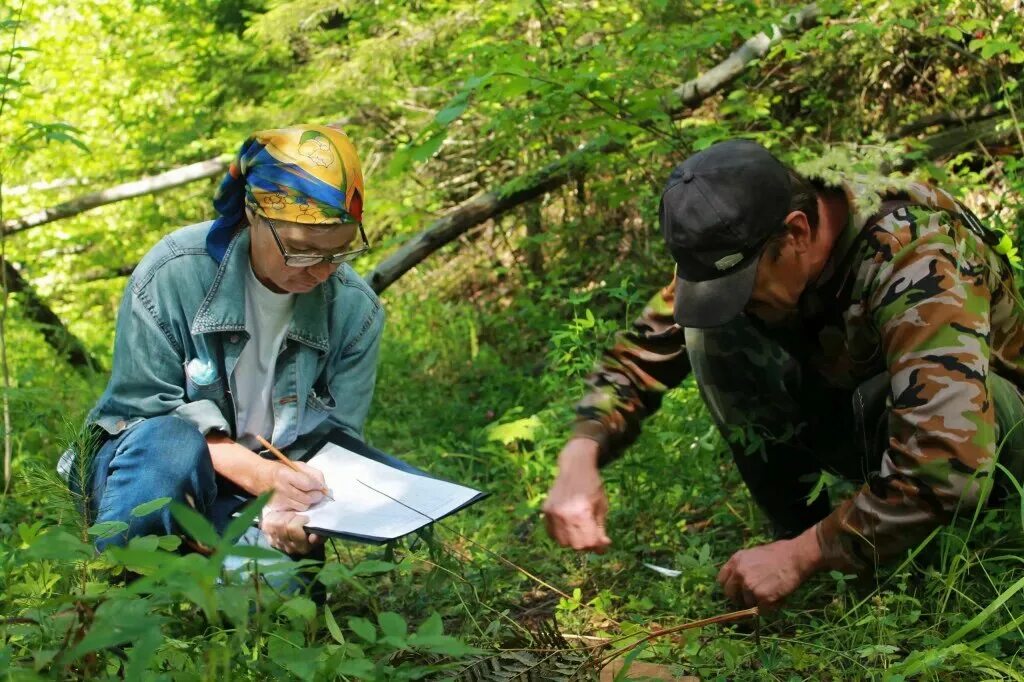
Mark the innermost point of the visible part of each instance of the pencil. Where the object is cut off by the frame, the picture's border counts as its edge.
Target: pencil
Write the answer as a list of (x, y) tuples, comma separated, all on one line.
[(287, 462)]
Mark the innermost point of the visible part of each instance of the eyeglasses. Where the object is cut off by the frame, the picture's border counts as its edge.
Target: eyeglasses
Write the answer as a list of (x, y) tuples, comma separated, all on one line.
[(305, 260)]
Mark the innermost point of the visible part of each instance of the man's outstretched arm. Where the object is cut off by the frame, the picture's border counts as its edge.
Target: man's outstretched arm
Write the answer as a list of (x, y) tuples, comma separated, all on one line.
[(626, 386)]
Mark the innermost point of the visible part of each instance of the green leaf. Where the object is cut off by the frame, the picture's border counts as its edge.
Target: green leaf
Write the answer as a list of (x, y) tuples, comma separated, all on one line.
[(443, 645), (985, 614), (392, 624), (118, 621), (356, 668), (169, 543), (520, 429), (299, 608), (364, 628), (254, 552), (373, 566), (431, 627), (246, 516), (429, 147), (151, 506), (57, 544), (195, 524), (332, 626), (627, 663), (446, 116), (107, 529)]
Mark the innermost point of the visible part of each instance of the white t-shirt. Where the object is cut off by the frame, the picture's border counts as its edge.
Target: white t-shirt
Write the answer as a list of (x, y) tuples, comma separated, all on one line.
[(267, 317)]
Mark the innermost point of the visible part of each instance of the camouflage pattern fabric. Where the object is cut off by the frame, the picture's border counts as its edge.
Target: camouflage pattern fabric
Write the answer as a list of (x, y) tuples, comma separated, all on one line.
[(918, 293)]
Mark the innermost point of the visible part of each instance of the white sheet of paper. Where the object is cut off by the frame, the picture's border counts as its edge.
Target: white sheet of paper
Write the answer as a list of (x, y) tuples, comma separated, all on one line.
[(362, 491)]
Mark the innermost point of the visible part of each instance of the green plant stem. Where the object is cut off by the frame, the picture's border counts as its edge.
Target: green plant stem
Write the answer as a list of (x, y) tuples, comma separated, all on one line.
[(6, 402)]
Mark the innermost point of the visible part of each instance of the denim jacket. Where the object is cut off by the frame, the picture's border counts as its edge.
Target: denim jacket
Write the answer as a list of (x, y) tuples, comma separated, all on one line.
[(181, 329)]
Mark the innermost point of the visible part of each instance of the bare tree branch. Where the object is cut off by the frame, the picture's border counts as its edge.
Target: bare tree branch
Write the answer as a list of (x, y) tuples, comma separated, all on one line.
[(150, 185), (479, 209), (729, 69), (492, 204)]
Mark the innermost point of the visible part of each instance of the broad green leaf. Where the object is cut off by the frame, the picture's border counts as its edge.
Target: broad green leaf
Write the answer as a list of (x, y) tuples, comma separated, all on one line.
[(117, 621), (169, 543), (107, 529), (429, 147), (392, 624), (356, 668), (449, 114), (332, 626), (299, 608), (520, 429), (195, 524), (431, 627), (372, 567), (245, 517), (254, 552), (57, 544), (151, 506), (364, 628)]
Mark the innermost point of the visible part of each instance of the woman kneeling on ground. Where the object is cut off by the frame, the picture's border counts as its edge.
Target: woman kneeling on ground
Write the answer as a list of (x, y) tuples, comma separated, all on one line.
[(250, 325)]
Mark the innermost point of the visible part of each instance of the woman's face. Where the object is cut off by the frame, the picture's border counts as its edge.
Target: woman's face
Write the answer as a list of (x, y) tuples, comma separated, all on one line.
[(298, 239)]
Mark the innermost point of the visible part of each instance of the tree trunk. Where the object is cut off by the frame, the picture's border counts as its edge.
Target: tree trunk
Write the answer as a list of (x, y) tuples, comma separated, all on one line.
[(534, 230), (50, 326)]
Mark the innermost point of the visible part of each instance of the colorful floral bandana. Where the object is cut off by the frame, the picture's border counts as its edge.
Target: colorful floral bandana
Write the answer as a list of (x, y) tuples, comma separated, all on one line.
[(303, 174)]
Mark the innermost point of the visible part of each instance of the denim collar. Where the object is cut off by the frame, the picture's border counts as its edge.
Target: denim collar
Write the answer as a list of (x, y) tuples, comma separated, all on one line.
[(223, 309)]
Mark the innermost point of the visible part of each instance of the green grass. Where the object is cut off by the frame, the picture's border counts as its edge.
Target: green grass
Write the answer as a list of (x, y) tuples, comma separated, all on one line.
[(454, 368)]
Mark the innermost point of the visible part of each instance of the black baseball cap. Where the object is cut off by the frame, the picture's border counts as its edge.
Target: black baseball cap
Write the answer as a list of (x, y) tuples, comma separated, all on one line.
[(719, 209)]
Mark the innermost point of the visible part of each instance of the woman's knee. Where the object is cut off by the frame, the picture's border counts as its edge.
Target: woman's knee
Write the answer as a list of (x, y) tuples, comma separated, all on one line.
[(172, 446)]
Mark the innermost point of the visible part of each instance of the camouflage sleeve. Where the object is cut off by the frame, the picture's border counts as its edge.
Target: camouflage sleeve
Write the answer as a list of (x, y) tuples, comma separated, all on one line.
[(930, 303), (630, 379)]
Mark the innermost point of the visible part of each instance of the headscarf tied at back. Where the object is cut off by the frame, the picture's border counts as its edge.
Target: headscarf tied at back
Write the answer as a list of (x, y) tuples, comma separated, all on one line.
[(303, 174)]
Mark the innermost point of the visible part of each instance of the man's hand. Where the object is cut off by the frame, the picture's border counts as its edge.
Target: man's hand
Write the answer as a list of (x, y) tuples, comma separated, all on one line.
[(577, 506), (765, 575), (283, 529), (293, 490)]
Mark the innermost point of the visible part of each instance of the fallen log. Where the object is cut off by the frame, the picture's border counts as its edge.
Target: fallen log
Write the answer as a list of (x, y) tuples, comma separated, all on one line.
[(129, 190), (492, 204), (472, 212)]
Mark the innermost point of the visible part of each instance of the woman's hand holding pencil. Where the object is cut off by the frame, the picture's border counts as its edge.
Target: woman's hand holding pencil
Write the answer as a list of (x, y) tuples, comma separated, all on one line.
[(296, 485)]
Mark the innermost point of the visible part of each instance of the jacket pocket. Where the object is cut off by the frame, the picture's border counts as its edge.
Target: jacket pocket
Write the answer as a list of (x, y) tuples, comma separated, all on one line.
[(319, 406), (202, 382), (321, 401)]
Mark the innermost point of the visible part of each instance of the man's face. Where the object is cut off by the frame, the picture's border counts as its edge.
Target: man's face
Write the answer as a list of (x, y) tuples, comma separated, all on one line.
[(298, 238), (782, 274)]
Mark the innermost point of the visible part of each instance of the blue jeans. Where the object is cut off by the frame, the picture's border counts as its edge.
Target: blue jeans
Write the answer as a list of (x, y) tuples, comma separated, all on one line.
[(159, 457), (163, 457)]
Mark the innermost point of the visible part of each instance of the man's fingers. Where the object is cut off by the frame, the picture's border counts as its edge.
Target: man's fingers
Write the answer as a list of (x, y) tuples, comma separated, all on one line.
[(733, 587), (556, 528), (586, 535)]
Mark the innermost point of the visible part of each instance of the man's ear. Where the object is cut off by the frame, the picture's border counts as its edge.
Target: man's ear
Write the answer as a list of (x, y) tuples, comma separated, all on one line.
[(799, 229)]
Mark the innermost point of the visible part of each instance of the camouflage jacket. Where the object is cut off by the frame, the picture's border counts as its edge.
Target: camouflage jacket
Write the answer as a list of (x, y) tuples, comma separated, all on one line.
[(919, 293)]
